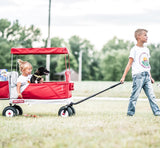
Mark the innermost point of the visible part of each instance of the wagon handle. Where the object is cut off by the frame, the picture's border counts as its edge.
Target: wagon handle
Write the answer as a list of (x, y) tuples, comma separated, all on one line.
[(72, 103)]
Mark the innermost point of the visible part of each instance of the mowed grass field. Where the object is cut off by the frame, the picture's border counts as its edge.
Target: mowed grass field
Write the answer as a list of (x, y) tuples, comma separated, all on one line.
[(123, 91), (97, 123)]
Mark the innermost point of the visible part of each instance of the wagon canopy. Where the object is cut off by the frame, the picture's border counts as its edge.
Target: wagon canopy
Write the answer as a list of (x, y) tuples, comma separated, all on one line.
[(53, 50)]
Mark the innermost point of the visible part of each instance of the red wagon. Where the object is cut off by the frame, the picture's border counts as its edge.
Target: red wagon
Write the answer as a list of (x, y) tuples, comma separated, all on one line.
[(47, 92)]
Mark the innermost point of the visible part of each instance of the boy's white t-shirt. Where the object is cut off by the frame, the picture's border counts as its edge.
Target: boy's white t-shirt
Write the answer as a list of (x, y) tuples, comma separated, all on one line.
[(140, 57), (24, 81)]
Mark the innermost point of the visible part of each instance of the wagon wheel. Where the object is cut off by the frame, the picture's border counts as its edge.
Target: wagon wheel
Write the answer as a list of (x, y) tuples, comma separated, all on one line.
[(19, 109), (9, 111), (65, 111), (73, 110)]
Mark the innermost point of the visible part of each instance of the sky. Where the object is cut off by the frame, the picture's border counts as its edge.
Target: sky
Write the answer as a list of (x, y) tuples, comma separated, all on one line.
[(95, 20)]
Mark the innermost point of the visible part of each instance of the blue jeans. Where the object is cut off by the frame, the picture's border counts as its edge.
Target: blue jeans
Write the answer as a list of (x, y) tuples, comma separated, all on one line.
[(142, 80)]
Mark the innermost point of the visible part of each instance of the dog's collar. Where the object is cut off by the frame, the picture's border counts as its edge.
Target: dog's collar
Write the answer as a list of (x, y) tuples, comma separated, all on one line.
[(37, 76)]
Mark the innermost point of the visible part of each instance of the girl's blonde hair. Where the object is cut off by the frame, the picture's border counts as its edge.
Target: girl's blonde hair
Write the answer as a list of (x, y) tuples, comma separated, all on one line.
[(23, 65)]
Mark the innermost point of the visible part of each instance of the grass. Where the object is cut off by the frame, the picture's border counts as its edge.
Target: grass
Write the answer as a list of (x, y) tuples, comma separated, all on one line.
[(97, 124), (86, 88)]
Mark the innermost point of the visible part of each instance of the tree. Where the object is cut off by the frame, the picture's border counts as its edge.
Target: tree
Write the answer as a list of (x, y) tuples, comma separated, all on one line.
[(117, 44), (90, 64), (94, 68), (75, 43), (113, 64), (4, 25), (5, 47), (15, 35), (19, 35), (58, 61), (155, 64), (61, 65), (115, 58)]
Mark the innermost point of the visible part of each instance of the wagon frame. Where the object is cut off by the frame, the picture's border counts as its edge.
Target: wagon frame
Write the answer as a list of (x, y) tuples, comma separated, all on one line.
[(47, 92)]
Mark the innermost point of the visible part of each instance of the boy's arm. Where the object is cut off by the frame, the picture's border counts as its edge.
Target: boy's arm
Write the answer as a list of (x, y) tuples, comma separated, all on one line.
[(152, 80), (126, 69), (18, 89)]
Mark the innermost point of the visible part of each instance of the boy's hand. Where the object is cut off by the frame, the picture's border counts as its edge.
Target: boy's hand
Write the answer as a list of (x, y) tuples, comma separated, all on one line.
[(122, 80), (152, 80)]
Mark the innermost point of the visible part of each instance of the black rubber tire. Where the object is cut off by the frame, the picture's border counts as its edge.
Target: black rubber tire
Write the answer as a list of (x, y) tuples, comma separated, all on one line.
[(65, 111), (73, 110), (19, 109), (9, 111)]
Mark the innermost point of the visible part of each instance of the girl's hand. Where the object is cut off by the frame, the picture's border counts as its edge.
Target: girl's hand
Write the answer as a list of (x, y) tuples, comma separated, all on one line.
[(20, 95), (42, 80)]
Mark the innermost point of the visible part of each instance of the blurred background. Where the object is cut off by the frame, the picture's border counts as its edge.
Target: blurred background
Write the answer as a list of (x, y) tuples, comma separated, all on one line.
[(100, 33)]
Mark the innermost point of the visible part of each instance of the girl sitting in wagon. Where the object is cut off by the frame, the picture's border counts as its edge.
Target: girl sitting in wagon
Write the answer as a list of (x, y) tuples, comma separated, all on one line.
[(24, 79)]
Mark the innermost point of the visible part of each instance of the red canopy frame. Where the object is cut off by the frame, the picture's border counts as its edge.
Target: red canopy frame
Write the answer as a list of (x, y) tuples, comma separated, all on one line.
[(37, 51), (53, 50)]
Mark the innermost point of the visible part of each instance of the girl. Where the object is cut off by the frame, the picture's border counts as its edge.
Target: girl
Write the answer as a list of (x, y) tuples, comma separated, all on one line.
[(24, 79)]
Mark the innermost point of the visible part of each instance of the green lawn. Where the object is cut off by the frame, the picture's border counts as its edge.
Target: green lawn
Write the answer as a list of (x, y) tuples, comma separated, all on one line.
[(87, 88), (97, 124)]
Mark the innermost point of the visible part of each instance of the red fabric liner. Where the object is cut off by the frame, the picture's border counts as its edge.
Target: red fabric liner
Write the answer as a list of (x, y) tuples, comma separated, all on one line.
[(47, 91), (53, 50), (4, 89)]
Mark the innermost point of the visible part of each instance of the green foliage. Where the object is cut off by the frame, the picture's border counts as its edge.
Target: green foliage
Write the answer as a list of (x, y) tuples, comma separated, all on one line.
[(13, 31), (28, 36), (117, 44), (57, 62), (113, 64), (75, 43), (14, 35), (61, 63), (114, 59), (94, 67), (90, 61), (107, 64), (155, 64), (4, 24), (5, 54)]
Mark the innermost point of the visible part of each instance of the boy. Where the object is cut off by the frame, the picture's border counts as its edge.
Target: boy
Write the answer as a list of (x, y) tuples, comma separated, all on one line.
[(139, 61)]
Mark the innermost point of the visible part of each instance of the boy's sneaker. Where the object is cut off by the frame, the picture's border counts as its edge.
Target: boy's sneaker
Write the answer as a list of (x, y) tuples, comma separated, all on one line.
[(129, 115), (157, 113)]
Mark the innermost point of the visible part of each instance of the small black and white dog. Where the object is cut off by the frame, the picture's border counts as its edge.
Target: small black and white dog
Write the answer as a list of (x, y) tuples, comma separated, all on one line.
[(37, 76)]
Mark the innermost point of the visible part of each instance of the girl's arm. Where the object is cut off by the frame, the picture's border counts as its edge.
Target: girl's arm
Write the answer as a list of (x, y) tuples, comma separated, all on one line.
[(126, 69), (18, 90)]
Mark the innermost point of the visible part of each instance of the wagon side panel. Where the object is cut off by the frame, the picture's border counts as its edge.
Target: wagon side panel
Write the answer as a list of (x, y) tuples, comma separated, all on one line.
[(48, 90), (4, 90)]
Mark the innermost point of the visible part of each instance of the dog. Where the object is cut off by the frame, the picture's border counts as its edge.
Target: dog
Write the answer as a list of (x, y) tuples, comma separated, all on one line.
[(37, 76)]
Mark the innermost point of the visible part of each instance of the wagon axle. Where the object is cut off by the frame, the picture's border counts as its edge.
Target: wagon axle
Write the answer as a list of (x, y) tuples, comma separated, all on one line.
[(66, 111), (11, 111)]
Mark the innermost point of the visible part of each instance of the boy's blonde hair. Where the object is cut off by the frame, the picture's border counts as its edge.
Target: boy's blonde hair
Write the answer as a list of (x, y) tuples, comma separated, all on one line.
[(139, 31), (23, 65)]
